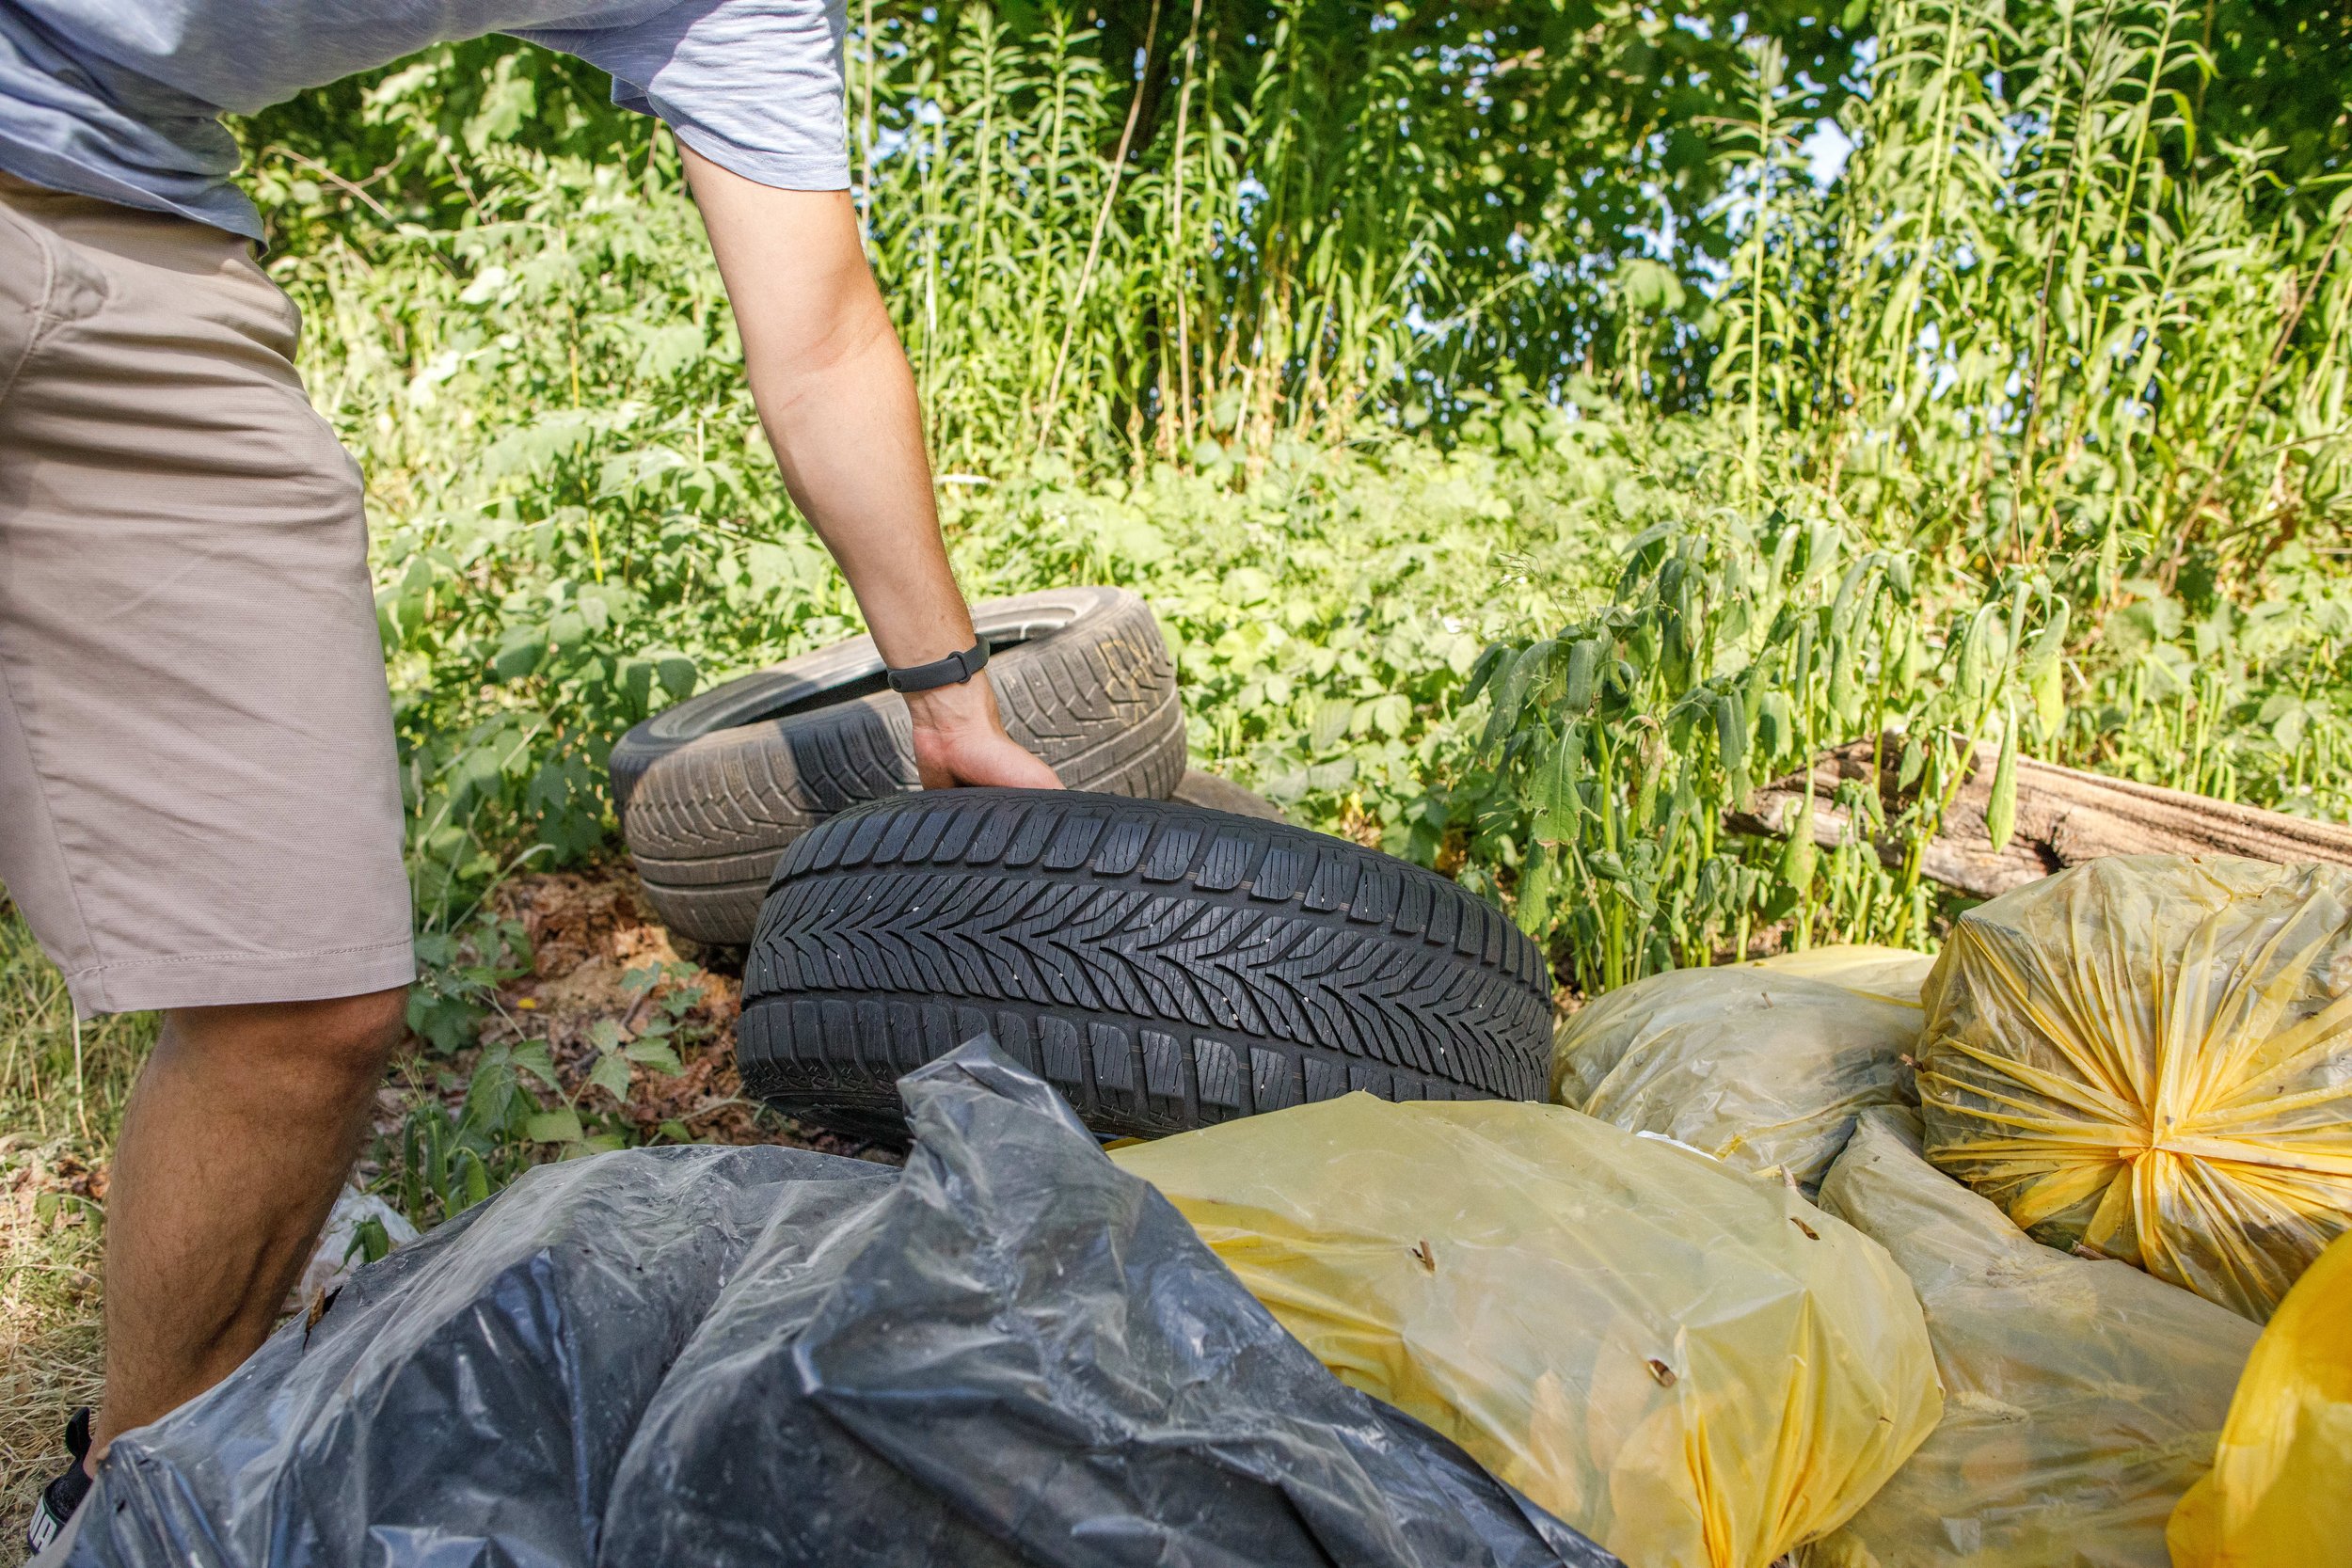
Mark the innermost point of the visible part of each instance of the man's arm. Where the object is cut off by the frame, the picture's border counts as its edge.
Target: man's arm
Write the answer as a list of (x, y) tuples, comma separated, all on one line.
[(837, 401)]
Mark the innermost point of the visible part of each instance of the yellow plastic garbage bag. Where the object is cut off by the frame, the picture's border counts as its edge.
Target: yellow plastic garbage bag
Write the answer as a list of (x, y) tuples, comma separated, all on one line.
[(2153, 1056), (1763, 1069), (1695, 1368), (2081, 1397), (2281, 1491)]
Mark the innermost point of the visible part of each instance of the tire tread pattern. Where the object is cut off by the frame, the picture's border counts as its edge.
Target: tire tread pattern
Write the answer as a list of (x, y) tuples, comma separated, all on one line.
[(1163, 966)]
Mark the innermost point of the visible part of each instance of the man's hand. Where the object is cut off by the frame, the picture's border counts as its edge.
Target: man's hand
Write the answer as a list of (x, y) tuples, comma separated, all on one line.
[(837, 399), (960, 740)]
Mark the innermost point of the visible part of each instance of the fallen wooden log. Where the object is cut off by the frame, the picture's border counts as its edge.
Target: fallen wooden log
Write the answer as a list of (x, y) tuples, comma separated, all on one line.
[(2064, 817)]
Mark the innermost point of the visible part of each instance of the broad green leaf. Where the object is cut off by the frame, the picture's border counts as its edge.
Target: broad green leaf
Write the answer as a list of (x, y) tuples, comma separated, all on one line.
[(1797, 857), (520, 655), (1333, 715), (2049, 697), (611, 1074), (534, 1057), (559, 1126), (1533, 912), (1526, 668), (474, 1178), (1775, 725), (653, 1054), (1584, 658), (1731, 732)]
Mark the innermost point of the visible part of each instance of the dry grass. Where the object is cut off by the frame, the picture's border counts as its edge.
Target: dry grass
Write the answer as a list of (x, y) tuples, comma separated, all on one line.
[(48, 1365), (61, 1092)]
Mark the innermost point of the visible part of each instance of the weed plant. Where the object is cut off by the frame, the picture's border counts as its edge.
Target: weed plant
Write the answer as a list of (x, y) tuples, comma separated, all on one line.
[(1356, 339)]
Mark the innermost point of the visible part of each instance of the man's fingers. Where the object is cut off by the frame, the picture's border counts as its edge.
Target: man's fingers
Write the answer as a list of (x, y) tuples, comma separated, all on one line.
[(960, 739), (1025, 771), (944, 761), (1003, 760)]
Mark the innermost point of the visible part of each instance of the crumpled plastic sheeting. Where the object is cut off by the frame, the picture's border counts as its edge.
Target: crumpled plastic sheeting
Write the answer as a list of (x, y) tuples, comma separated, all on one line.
[(1012, 1353), (468, 1398), (2281, 1488), (2153, 1056), (1693, 1367), (1022, 1344), (1890, 974), (2081, 1397), (1763, 1069), (337, 1257)]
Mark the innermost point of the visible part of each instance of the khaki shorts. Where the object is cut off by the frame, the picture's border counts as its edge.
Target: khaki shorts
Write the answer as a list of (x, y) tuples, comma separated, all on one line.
[(200, 802)]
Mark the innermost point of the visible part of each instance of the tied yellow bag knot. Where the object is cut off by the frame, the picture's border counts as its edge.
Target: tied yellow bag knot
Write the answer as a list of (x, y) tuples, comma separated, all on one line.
[(1695, 1368), (2150, 1057), (2280, 1490)]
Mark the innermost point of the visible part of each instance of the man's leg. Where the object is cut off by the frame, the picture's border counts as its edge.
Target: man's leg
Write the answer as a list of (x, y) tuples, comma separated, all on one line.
[(200, 802), (240, 1133)]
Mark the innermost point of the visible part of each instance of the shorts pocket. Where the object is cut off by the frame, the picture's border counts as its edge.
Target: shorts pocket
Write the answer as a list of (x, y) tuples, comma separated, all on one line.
[(23, 292), (42, 284)]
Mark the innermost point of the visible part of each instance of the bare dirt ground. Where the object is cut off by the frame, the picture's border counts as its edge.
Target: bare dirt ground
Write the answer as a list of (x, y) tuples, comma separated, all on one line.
[(588, 930)]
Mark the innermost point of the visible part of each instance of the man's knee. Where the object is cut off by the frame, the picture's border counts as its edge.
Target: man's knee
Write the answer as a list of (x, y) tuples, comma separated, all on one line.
[(347, 1038), (362, 1031)]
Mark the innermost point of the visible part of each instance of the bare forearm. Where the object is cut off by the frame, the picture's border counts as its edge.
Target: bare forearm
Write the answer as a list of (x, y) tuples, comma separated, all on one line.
[(848, 438), (839, 403)]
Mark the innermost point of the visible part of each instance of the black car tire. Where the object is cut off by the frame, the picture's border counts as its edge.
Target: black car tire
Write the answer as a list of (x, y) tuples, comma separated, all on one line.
[(1163, 966), (1197, 788), (710, 792)]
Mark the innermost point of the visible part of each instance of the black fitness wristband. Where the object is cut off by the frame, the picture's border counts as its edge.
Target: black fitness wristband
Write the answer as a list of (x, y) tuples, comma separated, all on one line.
[(952, 671)]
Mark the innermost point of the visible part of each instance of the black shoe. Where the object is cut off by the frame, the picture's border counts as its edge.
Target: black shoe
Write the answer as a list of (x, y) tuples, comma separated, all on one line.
[(64, 1495)]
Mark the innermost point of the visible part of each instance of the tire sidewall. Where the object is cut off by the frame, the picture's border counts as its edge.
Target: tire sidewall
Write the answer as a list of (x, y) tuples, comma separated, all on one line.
[(728, 716)]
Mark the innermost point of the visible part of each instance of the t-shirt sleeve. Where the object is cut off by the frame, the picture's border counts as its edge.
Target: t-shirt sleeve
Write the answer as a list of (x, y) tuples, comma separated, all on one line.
[(754, 85)]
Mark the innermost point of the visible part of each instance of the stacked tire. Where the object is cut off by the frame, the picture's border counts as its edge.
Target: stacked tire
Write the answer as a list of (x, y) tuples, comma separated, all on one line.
[(1167, 961), (711, 792)]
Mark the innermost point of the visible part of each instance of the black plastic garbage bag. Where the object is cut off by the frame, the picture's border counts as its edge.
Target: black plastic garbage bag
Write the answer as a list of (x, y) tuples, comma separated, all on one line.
[(1012, 1354), (467, 1399), (1023, 1354)]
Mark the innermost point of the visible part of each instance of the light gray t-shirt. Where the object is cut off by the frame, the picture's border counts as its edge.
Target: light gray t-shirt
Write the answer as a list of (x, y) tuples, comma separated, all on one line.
[(122, 99)]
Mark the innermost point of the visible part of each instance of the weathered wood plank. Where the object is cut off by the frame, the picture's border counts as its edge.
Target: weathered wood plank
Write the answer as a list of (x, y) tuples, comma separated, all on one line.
[(2064, 817)]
